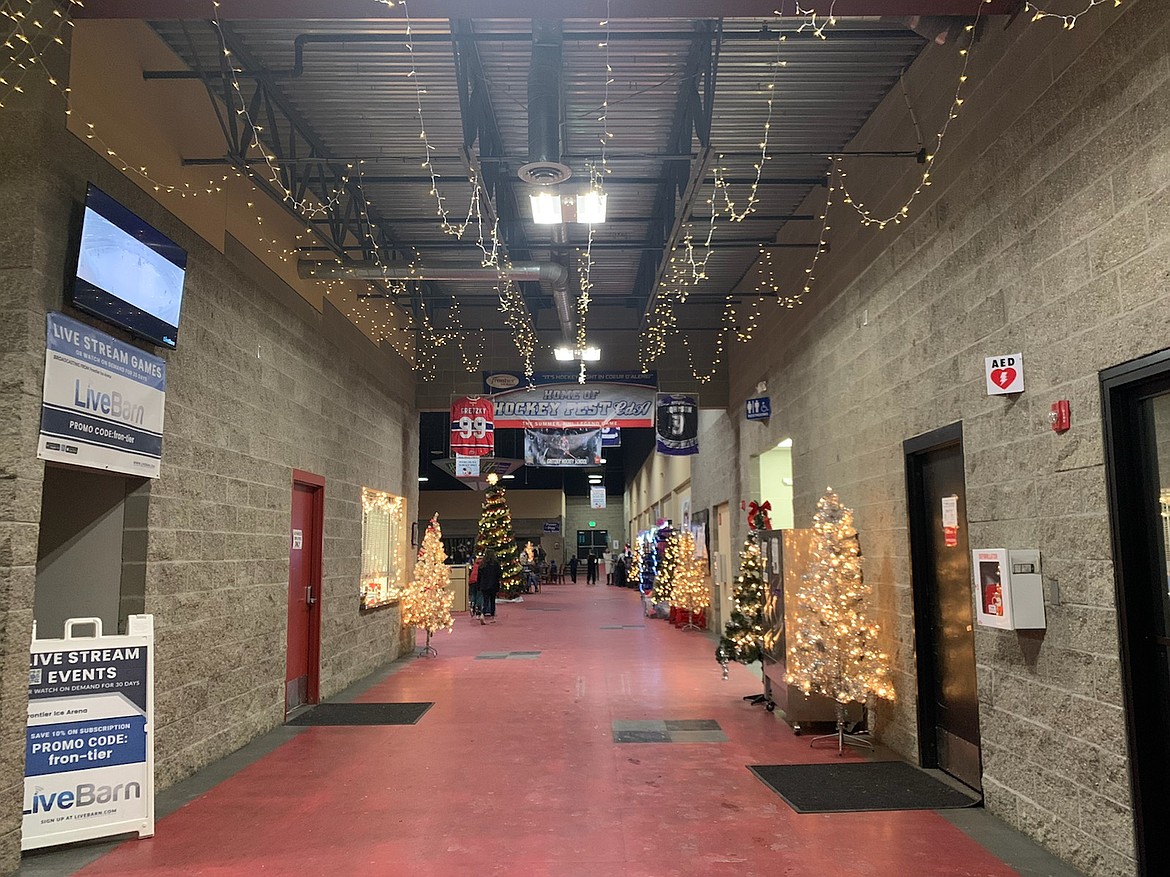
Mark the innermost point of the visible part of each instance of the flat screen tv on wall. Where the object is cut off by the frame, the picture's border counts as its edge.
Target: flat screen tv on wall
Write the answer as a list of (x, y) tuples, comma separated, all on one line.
[(128, 273)]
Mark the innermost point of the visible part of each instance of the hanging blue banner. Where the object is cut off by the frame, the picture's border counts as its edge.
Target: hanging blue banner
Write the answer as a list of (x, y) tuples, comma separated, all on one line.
[(677, 424)]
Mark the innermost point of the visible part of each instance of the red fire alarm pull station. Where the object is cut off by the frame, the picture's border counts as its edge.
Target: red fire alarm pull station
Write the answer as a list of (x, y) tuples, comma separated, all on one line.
[(1059, 416)]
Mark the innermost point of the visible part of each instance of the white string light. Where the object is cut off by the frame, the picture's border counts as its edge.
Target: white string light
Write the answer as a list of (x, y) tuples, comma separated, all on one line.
[(606, 134), (1067, 21), (867, 216), (25, 54), (811, 23), (753, 196)]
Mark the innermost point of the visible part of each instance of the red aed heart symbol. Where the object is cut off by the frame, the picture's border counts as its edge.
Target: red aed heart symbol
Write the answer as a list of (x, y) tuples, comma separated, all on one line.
[(1003, 377)]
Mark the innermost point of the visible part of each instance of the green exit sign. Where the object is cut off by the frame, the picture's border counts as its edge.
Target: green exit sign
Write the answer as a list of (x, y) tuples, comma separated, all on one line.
[(593, 523)]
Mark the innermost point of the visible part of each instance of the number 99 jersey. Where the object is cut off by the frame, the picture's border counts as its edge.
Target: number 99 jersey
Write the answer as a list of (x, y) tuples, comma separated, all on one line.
[(472, 426)]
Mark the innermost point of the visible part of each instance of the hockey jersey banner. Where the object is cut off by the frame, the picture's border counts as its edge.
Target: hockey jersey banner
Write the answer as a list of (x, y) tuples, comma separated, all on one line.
[(473, 429)]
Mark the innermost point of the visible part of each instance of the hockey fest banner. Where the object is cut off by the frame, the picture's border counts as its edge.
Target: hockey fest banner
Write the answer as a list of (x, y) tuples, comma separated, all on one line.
[(557, 400)]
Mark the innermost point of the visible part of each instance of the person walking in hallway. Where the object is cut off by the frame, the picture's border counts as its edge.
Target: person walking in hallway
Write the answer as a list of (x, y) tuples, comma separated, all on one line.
[(591, 569), (573, 568), (489, 584), (619, 572)]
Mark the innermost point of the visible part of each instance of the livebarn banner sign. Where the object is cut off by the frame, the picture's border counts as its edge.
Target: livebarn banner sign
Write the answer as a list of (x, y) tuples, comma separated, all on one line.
[(89, 751), (556, 400), (103, 401)]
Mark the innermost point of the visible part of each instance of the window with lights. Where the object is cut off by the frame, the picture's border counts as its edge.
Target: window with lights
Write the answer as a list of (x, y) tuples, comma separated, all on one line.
[(383, 548)]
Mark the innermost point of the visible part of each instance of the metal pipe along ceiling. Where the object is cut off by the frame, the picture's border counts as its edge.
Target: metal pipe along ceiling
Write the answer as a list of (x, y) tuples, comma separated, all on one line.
[(555, 275), (544, 93)]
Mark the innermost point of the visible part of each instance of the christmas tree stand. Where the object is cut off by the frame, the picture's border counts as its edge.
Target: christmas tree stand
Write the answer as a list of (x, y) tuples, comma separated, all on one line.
[(428, 651), (841, 737)]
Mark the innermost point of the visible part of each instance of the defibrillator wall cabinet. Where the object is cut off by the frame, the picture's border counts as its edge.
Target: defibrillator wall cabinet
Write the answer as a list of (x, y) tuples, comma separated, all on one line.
[(1009, 593)]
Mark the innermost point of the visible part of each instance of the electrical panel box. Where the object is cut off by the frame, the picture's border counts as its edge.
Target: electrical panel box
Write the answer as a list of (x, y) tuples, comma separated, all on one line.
[(1009, 589)]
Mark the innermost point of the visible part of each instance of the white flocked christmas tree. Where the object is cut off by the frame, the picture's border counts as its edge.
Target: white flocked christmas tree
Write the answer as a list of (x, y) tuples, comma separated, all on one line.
[(427, 600), (834, 648)]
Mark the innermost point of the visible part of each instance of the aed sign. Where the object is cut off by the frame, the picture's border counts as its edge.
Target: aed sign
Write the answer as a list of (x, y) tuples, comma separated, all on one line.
[(1005, 374)]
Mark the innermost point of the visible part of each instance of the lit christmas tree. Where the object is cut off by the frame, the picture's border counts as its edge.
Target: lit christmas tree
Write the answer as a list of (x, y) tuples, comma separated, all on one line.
[(427, 600), (634, 573), (834, 649), (690, 592), (495, 532), (664, 578), (743, 634)]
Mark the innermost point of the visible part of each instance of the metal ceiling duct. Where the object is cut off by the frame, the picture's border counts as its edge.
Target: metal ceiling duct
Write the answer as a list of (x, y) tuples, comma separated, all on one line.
[(544, 167), (555, 275)]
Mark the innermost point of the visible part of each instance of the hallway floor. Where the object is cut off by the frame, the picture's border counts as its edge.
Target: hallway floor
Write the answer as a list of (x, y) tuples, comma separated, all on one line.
[(515, 771)]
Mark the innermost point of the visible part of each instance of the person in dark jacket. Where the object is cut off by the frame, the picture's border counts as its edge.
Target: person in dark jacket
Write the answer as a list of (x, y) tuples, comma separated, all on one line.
[(619, 572), (591, 569), (489, 584), (573, 568)]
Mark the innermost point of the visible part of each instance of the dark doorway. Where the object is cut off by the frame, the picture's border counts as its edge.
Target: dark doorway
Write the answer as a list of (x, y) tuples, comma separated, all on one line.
[(1136, 407), (593, 542), (304, 591), (85, 546), (948, 701)]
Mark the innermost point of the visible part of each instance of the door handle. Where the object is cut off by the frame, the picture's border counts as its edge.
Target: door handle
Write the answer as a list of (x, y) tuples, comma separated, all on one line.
[(309, 598)]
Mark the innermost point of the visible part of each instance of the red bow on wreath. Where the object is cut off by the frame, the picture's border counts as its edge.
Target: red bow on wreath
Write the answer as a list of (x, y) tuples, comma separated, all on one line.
[(758, 513)]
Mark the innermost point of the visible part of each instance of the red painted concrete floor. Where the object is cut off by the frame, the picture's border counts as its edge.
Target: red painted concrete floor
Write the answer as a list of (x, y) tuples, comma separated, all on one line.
[(514, 772)]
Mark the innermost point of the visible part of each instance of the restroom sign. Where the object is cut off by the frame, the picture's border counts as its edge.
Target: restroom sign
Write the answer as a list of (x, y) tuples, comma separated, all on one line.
[(1005, 374)]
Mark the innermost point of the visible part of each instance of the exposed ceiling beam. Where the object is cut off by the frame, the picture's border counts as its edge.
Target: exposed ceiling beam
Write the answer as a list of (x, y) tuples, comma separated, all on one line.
[(634, 246), (322, 178), (478, 118), (692, 120), (614, 179), (636, 220), (335, 10)]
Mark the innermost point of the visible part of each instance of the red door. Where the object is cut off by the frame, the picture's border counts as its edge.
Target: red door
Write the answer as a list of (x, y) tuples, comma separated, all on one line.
[(304, 591)]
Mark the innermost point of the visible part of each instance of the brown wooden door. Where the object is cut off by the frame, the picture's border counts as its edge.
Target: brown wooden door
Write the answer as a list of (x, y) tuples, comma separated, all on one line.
[(944, 626), (304, 593)]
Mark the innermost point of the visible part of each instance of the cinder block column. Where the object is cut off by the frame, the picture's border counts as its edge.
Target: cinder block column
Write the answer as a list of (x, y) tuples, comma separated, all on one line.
[(34, 232)]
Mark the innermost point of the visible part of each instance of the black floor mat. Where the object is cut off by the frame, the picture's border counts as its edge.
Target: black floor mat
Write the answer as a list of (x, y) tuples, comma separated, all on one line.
[(860, 785), (362, 714)]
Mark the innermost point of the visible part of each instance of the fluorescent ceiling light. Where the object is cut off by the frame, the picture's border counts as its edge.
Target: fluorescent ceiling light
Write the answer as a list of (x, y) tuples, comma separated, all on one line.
[(546, 208), (509, 476), (787, 443), (568, 354), (591, 207), (602, 460), (423, 478)]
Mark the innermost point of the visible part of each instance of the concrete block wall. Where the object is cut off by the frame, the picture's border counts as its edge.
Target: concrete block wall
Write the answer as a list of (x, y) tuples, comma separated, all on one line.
[(27, 279), (714, 474), (259, 386), (1047, 232), (578, 514), (254, 391)]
